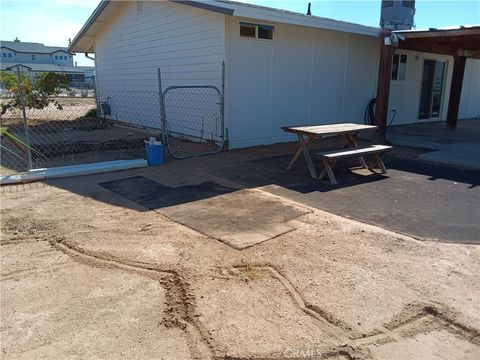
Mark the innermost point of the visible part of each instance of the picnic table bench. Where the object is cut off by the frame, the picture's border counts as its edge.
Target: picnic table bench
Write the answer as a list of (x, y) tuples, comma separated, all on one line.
[(307, 134)]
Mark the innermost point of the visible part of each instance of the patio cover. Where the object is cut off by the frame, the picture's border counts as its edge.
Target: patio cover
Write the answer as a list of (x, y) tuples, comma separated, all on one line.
[(460, 42)]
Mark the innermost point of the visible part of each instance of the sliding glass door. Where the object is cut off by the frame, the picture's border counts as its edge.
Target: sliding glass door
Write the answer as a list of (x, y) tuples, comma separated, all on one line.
[(431, 95)]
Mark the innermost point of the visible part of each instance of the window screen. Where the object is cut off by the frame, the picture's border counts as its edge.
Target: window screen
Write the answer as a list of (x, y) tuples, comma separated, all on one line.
[(247, 30), (265, 32)]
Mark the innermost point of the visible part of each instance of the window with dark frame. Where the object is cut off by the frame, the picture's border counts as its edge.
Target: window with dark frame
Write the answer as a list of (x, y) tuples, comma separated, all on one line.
[(265, 32), (256, 31), (399, 67), (248, 30)]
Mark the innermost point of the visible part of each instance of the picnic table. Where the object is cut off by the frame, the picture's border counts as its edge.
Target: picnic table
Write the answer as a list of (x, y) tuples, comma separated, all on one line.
[(307, 134)]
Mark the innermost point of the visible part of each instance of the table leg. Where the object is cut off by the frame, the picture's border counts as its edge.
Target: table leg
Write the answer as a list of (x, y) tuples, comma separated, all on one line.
[(377, 162), (328, 164), (306, 154), (351, 141), (299, 150)]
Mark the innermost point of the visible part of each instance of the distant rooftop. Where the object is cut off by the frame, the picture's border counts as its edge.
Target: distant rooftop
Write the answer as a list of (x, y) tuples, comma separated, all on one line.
[(47, 67), (30, 47)]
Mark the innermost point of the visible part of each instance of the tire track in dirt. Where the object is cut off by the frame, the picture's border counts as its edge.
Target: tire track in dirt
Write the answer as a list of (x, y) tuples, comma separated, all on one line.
[(180, 311), (329, 324), (414, 319), (422, 317)]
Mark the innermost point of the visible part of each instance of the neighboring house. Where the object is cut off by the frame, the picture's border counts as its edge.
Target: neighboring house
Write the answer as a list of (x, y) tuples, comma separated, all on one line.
[(282, 68), (36, 58)]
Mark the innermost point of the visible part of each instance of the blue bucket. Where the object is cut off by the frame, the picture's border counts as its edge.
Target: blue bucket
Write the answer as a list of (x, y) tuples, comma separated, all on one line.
[(154, 154)]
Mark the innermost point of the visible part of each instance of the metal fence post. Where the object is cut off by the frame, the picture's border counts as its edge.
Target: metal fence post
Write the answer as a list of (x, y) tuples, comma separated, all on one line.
[(222, 108), (162, 107), (97, 95), (21, 92)]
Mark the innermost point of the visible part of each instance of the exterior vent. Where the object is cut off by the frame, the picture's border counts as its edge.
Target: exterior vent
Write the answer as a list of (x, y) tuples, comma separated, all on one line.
[(397, 14)]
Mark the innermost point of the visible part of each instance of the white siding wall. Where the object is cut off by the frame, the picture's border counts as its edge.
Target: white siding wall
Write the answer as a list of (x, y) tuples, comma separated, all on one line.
[(303, 76), (185, 42), (470, 101), (405, 95)]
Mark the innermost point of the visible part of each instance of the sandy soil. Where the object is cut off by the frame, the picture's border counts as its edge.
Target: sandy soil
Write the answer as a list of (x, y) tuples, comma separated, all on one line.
[(87, 273)]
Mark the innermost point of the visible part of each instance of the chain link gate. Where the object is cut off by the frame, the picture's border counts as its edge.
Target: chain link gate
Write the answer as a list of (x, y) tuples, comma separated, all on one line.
[(193, 121)]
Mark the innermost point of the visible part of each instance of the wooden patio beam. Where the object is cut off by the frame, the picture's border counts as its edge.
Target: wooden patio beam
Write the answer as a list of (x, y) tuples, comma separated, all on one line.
[(469, 44), (383, 86), (455, 90)]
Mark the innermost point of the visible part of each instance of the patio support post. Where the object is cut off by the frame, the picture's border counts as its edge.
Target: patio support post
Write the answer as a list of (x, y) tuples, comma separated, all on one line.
[(455, 90), (383, 85)]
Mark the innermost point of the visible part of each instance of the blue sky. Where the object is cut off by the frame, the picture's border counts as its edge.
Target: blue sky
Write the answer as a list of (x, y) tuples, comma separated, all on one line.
[(53, 22)]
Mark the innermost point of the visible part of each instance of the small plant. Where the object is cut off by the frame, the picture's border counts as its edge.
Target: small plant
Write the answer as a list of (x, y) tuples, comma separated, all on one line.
[(91, 113), (253, 273), (37, 90)]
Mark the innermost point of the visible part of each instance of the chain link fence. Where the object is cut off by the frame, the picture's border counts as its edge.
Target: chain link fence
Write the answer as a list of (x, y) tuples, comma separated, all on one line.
[(71, 130), (193, 120)]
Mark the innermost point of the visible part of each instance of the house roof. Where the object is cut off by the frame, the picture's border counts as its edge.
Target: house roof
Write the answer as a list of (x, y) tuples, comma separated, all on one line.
[(48, 67), (83, 41), (31, 48)]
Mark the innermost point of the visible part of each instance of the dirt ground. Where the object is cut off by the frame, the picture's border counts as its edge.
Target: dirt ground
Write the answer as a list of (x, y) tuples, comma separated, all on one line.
[(90, 274)]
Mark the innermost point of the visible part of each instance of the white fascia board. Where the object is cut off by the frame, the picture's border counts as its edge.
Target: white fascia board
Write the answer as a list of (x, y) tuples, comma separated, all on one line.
[(308, 21)]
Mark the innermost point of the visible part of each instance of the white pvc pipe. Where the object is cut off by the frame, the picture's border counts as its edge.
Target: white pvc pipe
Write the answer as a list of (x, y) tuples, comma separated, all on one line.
[(74, 170)]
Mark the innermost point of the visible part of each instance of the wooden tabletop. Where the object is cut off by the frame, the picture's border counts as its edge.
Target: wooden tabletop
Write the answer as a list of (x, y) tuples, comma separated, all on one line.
[(331, 129)]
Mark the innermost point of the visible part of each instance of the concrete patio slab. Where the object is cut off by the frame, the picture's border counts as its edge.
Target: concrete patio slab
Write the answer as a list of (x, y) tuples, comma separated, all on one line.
[(459, 147), (461, 155)]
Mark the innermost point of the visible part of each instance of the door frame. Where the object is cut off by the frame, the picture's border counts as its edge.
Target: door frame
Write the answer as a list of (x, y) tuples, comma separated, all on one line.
[(444, 90)]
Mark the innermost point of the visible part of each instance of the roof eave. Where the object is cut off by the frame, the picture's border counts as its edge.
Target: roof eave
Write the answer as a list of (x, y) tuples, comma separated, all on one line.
[(96, 13), (204, 6), (234, 9)]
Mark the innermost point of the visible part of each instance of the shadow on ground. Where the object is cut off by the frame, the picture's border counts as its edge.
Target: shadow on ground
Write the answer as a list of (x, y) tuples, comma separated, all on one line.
[(423, 200)]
